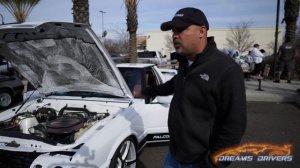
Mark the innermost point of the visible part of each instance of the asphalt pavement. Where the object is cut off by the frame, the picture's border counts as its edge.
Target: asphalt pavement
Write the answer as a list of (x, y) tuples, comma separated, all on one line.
[(272, 92)]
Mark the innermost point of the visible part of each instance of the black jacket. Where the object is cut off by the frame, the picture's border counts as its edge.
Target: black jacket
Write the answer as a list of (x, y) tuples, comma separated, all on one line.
[(208, 109)]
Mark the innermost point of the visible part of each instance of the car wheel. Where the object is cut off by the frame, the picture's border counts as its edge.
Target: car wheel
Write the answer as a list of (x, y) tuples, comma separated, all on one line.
[(125, 156), (5, 99)]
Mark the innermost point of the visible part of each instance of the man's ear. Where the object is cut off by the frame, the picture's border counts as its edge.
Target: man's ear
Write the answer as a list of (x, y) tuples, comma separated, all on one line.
[(202, 31)]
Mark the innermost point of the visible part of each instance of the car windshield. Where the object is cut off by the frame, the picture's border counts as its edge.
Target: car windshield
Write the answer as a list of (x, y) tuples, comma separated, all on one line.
[(147, 54)]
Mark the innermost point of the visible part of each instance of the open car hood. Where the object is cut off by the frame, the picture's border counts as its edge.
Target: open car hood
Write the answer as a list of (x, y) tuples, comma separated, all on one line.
[(61, 57)]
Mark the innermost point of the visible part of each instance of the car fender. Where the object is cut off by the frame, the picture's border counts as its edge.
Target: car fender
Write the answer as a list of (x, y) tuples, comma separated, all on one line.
[(116, 131)]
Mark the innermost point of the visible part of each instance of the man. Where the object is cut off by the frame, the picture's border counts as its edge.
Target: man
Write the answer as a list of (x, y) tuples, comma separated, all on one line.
[(286, 58), (257, 56), (208, 109)]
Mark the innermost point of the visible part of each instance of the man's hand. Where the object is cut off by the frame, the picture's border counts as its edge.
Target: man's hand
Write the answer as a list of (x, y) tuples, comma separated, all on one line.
[(137, 92)]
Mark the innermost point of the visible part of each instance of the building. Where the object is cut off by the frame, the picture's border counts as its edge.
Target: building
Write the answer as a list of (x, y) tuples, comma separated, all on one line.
[(162, 41)]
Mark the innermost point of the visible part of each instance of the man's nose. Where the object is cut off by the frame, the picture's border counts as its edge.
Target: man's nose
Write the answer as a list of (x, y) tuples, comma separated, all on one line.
[(175, 36)]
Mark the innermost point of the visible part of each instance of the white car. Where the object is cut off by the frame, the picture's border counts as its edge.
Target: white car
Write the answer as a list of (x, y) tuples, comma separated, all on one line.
[(86, 115), (168, 73)]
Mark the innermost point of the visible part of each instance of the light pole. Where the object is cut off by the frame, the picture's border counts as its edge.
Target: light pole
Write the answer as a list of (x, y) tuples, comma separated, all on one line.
[(276, 38), (2, 19), (102, 13)]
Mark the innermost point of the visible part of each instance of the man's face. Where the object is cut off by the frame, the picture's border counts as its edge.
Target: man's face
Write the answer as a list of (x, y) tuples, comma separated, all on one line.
[(187, 40)]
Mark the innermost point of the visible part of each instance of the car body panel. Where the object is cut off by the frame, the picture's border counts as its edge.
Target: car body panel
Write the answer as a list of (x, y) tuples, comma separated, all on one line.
[(154, 108)]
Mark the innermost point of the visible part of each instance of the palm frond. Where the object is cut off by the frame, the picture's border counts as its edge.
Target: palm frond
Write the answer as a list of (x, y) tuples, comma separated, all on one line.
[(20, 9)]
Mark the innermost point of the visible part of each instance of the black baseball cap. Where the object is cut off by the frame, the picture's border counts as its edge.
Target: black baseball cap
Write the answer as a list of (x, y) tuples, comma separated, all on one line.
[(186, 17)]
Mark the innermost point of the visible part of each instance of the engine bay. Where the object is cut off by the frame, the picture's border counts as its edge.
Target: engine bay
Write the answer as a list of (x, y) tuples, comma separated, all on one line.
[(62, 126)]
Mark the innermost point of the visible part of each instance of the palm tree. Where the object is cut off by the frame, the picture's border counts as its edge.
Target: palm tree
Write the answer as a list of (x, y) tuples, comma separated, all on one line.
[(20, 9), (81, 11), (291, 13), (132, 25)]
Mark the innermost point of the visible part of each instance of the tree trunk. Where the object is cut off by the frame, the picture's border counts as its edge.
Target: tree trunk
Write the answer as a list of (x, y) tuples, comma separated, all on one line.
[(81, 11), (132, 24), (291, 13), (290, 34), (132, 47)]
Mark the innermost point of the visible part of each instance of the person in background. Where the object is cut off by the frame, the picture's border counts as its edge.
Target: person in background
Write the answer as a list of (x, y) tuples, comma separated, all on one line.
[(286, 59), (257, 58), (263, 63), (208, 109), (251, 64)]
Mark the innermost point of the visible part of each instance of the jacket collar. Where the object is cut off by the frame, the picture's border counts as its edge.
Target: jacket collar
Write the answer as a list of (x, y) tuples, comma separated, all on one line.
[(201, 57)]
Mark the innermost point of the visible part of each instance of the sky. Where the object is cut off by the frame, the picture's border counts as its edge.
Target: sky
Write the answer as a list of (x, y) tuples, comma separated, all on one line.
[(151, 13)]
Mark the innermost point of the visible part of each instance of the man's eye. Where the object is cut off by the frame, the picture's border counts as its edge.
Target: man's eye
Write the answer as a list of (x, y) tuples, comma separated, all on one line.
[(179, 29)]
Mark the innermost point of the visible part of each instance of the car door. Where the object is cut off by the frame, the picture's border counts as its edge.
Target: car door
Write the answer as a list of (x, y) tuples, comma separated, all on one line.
[(153, 113)]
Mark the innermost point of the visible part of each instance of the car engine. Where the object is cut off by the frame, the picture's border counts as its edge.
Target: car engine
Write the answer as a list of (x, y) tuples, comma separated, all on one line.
[(63, 126)]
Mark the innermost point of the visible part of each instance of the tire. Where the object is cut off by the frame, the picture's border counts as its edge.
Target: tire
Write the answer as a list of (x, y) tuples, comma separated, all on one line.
[(125, 156), (6, 99)]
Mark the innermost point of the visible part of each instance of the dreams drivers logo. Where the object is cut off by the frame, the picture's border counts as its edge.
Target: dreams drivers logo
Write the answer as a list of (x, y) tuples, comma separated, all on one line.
[(255, 152)]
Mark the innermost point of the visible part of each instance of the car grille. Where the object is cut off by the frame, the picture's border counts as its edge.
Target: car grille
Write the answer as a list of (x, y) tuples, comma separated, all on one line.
[(17, 159)]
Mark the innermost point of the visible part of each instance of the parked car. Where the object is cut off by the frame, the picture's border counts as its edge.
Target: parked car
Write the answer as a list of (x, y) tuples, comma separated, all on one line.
[(168, 73), (152, 57), (86, 115), (11, 86)]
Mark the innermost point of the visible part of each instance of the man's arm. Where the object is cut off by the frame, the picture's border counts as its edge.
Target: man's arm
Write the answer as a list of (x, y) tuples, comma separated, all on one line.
[(230, 121), (160, 90)]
